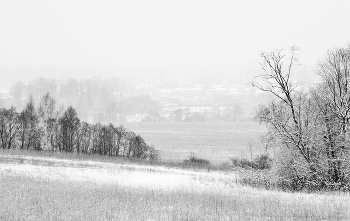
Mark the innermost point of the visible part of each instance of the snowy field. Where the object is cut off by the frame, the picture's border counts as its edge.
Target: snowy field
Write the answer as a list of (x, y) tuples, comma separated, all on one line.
[(217, 142), (151, 177), (44, 188)]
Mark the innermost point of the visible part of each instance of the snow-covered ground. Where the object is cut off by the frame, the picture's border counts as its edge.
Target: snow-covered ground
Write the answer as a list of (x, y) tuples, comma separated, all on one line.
[(196, 190), (138, 176), (153, 177)]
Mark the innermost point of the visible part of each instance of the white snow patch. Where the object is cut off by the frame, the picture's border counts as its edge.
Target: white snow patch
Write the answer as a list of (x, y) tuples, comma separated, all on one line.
[(152, 177)]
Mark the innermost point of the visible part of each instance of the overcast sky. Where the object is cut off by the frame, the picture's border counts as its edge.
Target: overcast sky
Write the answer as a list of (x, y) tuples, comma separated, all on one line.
[(167, 33)]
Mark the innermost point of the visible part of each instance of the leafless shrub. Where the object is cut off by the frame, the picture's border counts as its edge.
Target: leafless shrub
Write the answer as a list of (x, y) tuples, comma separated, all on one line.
[(196, 162)]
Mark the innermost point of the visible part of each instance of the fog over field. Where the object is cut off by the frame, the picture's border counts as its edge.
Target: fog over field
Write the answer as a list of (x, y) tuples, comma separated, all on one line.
[(217, 142), (191, 55)]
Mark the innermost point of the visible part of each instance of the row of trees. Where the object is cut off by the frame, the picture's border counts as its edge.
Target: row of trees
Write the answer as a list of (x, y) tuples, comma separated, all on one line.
[(44, 128), (310, 127)]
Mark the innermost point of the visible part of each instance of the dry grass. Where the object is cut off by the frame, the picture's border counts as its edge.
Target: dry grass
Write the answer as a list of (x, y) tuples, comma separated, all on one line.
[(105, 159), (62, 191)]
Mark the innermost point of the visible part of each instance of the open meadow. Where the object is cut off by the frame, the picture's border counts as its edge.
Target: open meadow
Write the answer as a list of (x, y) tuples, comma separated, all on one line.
[(217, 142), (46, 188)]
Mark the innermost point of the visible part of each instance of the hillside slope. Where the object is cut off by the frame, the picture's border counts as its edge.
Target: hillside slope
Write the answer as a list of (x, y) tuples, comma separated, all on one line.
[(45, 188)]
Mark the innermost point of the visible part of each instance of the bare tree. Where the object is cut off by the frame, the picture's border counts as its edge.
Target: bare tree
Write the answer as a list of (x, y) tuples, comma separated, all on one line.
[(47, 119), (291, 118), (29, 126), (121, 133), (312, 126), (333, 99), (84, 137), (70, 124), (9, 127)]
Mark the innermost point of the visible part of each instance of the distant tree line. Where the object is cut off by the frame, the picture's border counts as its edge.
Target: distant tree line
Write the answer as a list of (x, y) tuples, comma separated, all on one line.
[(230, 113), (110, 100), (95, 99), (44, 128), (310, 127)]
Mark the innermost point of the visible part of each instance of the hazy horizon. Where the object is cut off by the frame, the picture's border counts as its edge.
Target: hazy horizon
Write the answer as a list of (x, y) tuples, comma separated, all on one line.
[(162, 37)]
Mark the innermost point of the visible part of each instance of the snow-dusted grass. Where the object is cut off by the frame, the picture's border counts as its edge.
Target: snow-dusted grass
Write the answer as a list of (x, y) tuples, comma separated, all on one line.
[(101, 159), (38, 188)]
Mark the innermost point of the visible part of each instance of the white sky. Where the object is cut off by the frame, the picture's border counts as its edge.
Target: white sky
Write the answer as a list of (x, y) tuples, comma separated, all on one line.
[(162, 33)]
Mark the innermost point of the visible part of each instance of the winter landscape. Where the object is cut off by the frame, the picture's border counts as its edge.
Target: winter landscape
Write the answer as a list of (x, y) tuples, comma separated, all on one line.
[(174, 110)]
